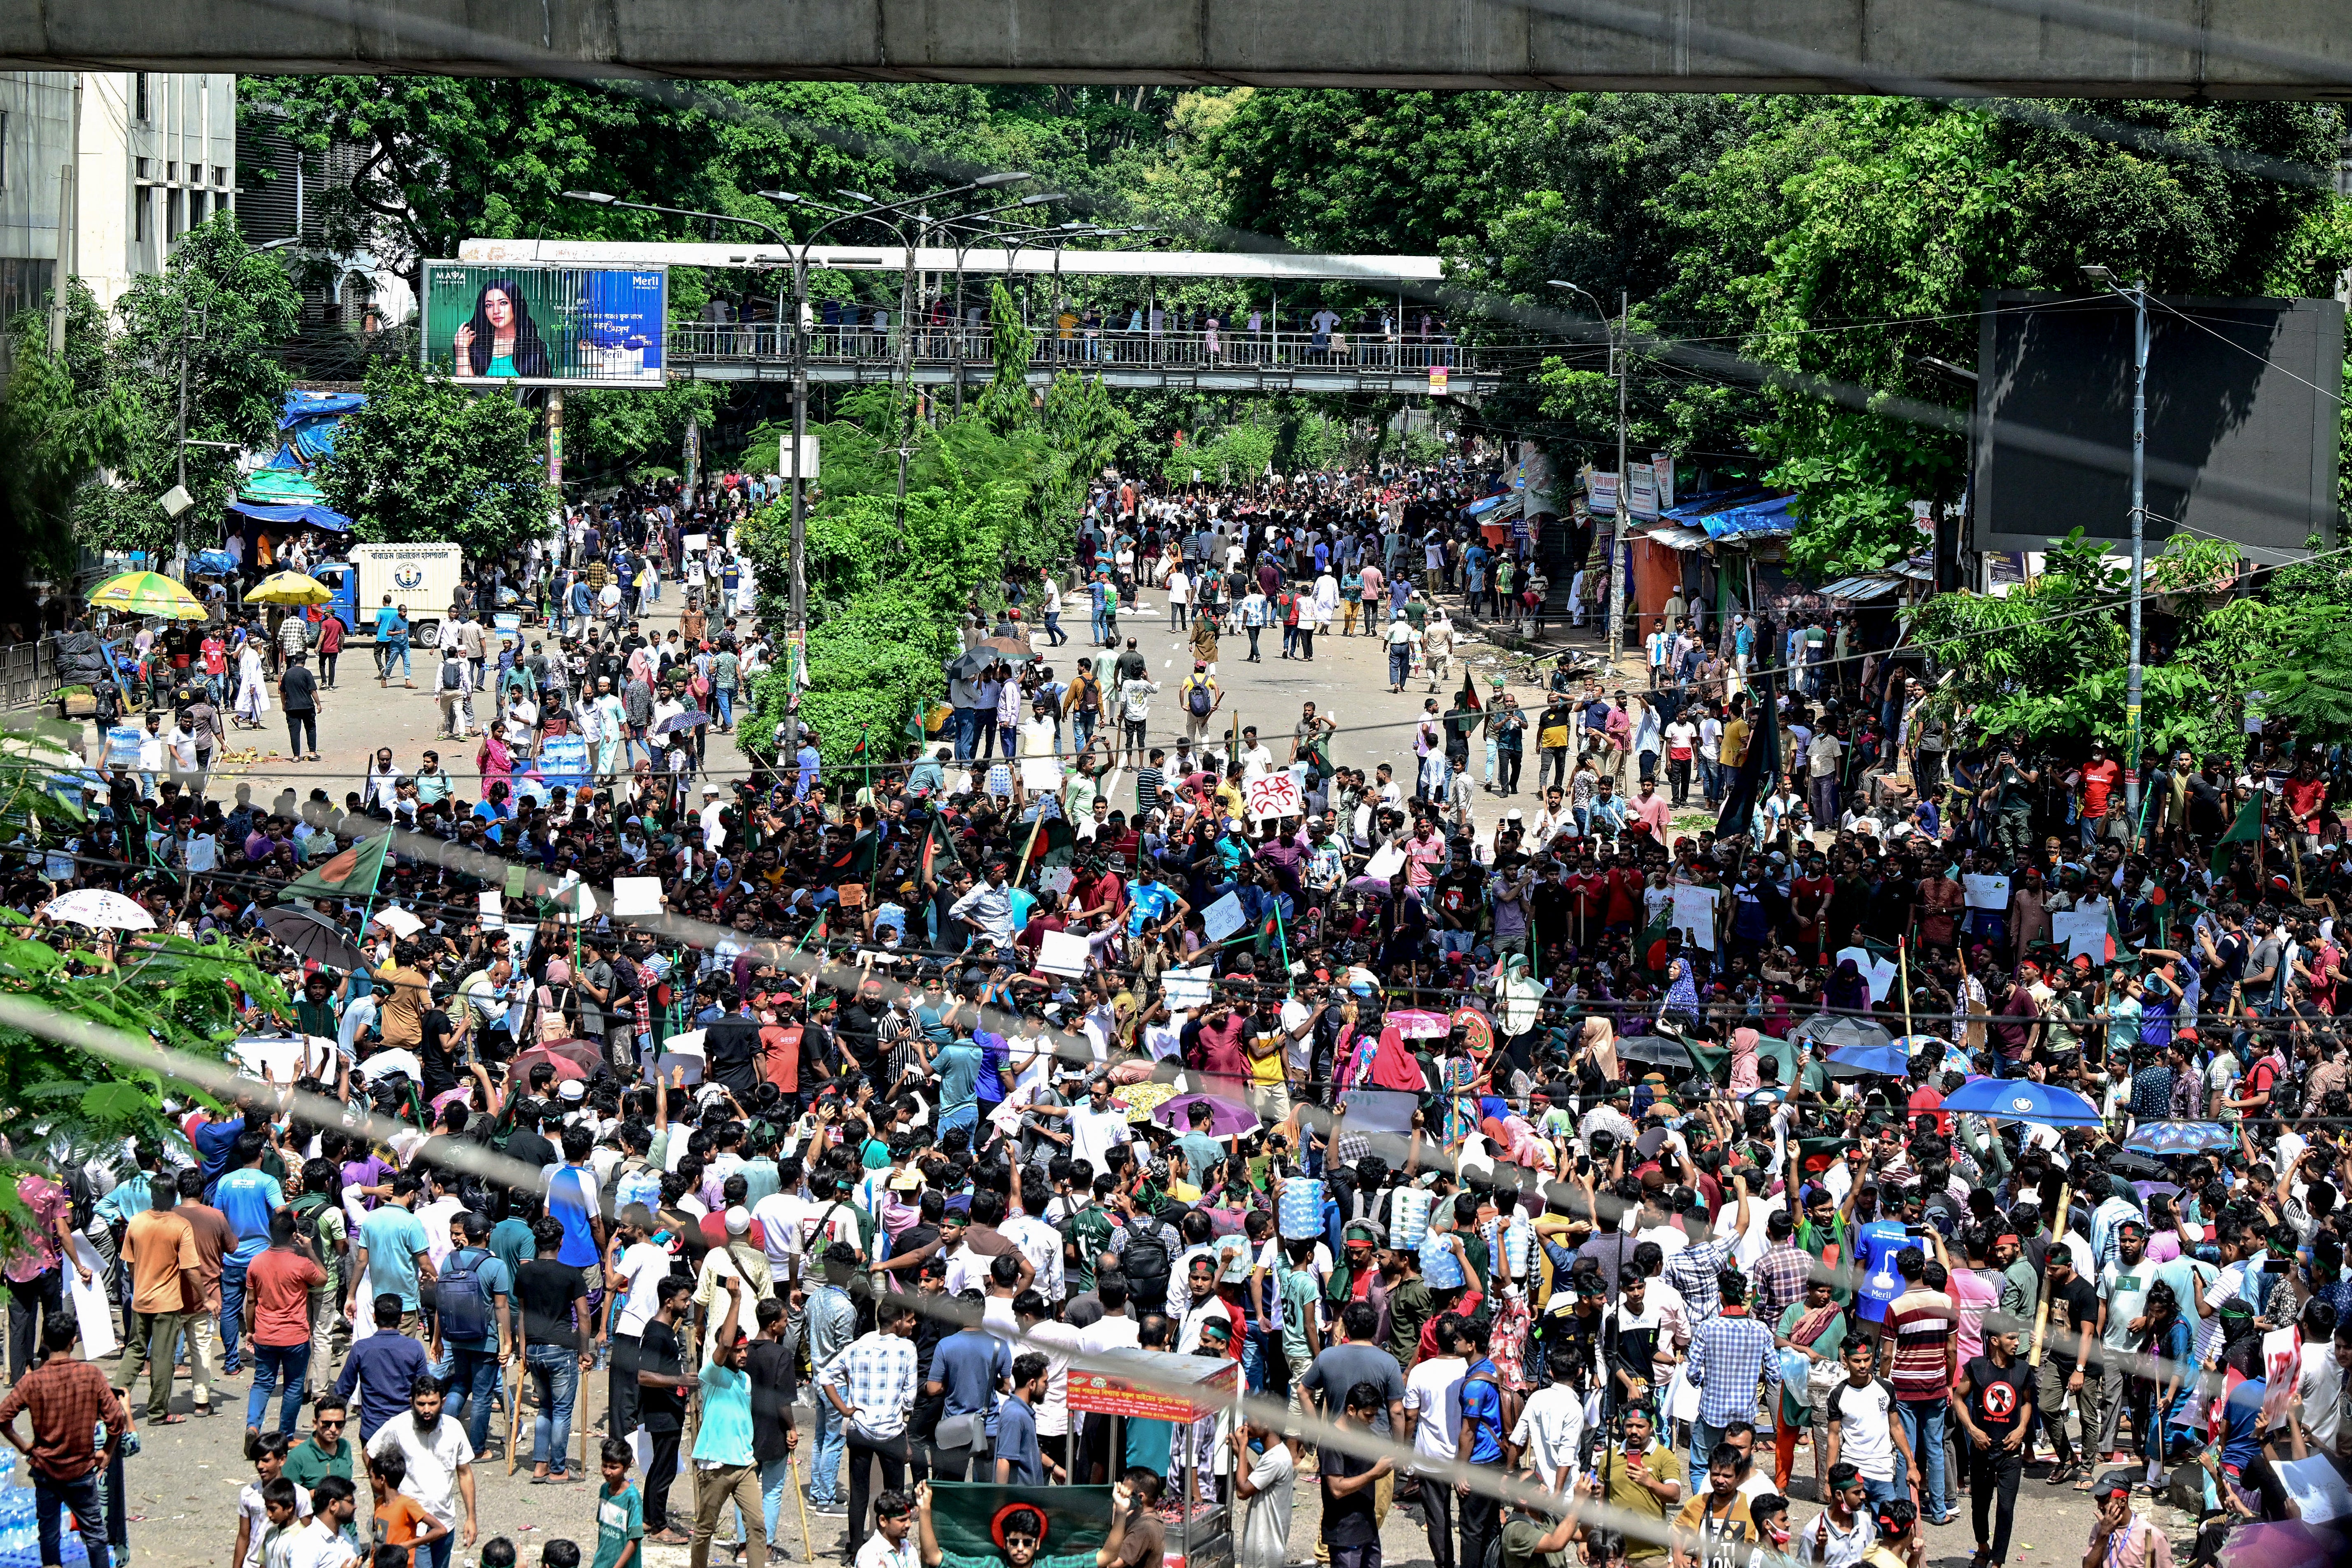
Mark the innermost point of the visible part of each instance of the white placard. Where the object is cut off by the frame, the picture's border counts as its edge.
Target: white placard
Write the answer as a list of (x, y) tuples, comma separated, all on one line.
[(808, 457), (1880, 973), (1223, 919), (1059, 952), (1187, 988), (1985, 892), (397, 921), (93, 1310), (1040, 773), (1385, 863), (695, 543), (1275, 795), (1056, 880), (202, 853), (1694, 913), (2084, 932), (494, 910), (637, 896)]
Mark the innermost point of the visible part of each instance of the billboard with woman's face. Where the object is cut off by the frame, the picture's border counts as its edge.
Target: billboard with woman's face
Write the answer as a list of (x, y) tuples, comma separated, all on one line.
[(545, 326)]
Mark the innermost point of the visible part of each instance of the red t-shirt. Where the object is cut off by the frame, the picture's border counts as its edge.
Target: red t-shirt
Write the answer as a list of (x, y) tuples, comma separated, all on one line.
[(1624, 895), (2099, 781), (1925, 1101), (279, 1281)]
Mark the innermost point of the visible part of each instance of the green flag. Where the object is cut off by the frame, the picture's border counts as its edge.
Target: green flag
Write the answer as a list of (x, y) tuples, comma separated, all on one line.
[(351, 874), (2247, 829)]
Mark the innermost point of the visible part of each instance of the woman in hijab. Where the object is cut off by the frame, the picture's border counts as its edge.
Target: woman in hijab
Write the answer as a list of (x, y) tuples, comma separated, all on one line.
[(1847, 991)]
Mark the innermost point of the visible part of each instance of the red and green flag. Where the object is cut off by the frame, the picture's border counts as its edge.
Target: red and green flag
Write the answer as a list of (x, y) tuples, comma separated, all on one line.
[(351, 874)]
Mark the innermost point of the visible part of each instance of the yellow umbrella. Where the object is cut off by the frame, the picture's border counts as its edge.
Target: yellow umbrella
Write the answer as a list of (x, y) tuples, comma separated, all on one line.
[(147, 593), (288, 588)]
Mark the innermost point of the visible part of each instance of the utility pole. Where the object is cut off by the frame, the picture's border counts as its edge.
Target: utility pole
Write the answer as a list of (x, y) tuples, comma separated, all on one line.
[(180, 448), (1621, 344), (69, 259), (2138, 548)]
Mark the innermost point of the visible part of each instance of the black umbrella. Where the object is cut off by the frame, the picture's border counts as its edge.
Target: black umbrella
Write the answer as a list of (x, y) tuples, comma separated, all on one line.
[(314, 937), (1843, 1033), (686, 720), (1655, 1049)]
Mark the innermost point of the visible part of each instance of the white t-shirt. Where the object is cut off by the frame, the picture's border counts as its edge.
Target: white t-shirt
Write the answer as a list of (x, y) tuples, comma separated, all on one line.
[(1551, 1429), (1093, 1133), (1434, 1392), (249, 1504), (878, 1553), (642, 1266), (434, 1460), (1265, 1532), (312, 1545), (1866, 1439)]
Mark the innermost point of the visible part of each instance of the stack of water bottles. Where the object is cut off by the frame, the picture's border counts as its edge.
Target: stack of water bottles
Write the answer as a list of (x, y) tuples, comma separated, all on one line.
[(20, 1531)]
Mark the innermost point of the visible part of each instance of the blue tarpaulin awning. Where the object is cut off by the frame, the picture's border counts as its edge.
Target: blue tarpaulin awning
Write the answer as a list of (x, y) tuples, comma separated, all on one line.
[(1484, 504), (1772, 517), (301, 405), (1692, 508), (315, 516)]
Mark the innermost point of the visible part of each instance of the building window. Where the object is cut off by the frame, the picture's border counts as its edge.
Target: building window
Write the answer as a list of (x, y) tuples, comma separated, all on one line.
[(141, 109), (3, 151), (141, 199), (146, 167), (220, 176)]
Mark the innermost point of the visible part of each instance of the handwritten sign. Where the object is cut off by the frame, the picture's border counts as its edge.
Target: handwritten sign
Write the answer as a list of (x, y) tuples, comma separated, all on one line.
[(1693, 912), (1274, 795), (1187, 988), (1223, 918), (1986, 892), (1060, 952), (2084, 932)]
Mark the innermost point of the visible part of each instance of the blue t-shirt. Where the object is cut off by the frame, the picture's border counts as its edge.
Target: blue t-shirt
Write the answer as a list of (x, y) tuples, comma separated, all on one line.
[(572, 1198), (214, 1142), (1148, 901), (1875, 1248), (1016, 1440), (491, 1272), (246, 1198), (968, 1364), (1482, 1417), (393, 1237)]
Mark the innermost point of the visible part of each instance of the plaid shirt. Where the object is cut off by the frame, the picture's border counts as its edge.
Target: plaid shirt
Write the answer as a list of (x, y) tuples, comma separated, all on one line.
[(876, 1374), (67, 1399), (1780, 1275), (1692, 1271), (1727, 1355)]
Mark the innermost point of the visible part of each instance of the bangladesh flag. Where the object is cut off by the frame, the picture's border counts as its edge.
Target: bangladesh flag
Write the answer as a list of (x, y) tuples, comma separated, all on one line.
[(939, 850), (2247, 829), (971, 1520), (352, 874)]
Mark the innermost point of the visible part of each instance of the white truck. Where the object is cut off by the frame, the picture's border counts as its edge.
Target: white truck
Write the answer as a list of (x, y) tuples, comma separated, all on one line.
[(420, 578)]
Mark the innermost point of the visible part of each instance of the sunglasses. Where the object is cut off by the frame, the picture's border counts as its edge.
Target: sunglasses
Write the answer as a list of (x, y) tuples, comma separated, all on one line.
[(325, 1426)]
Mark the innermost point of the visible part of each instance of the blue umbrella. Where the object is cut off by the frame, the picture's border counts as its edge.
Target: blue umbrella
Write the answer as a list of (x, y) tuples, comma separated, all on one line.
[(2022, 1099), (1859, 1061), (2180, 1138)]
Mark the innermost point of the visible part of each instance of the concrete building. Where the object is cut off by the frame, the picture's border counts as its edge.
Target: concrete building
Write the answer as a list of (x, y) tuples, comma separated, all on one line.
[(157, 155)]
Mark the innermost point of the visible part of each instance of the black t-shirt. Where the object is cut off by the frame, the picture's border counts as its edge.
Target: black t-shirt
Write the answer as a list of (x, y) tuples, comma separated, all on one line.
[(547, 1289), (1347, 1521), (301, 689), (525, 1146), (2081, 1300), (1999, 1397), (433, 1051), (664, 1408), (773, 1388), (730, 1048)]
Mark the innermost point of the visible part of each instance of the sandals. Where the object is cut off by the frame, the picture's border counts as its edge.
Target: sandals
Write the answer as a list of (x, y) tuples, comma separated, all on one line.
[(2064, 1471)]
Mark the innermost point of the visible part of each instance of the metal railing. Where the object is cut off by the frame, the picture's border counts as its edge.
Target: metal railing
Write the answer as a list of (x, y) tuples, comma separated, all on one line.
[(1078, 347)]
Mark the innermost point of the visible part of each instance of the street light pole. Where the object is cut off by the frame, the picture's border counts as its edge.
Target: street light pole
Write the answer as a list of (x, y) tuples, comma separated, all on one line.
[(2137, 295), (1621, 357)]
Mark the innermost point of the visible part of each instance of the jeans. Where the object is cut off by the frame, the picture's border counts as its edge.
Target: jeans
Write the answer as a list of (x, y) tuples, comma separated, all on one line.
[(1482, 1522), (437, 1553), (327, 669), (1993, 1472), (1253, 638), (399, 651), (1399, 662), (31, 1304), (775, 1476), (725, 696), (1054, 635), (89, 1520), (1509, 758), (1704, 1439), (299, 720), (892, 1457), (555, 1383), (1923, 1427), (475, 1376), (268, 1361), (1678, 772), (824, 1467), (232, 1308)]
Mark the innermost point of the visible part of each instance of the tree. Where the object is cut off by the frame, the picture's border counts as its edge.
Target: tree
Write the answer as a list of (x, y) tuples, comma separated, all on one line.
[(61, 419), (426, 461), (223, 306)]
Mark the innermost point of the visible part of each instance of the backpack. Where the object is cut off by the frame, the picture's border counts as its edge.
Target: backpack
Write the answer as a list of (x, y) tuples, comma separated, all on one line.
[(1147, 1262), (1197, 701), (306, 1210), (460, 1298)]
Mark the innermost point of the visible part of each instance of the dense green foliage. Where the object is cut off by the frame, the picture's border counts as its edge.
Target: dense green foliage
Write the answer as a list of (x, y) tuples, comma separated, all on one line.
[(62, 418), (424, 461)]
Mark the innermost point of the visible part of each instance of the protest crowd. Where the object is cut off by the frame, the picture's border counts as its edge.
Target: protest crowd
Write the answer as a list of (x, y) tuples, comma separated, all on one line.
[(1790, 1184)]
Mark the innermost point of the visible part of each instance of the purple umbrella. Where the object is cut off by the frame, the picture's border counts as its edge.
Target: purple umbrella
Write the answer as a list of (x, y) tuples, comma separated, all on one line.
[(1227, 1118)]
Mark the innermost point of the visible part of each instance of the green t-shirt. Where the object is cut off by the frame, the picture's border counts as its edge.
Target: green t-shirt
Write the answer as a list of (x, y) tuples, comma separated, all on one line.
[(306, 1466), (620, 1519), (998, 1560)]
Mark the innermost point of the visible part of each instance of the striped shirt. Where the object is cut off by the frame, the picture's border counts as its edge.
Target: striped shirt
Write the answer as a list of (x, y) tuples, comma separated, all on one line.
[(1923, 1322)]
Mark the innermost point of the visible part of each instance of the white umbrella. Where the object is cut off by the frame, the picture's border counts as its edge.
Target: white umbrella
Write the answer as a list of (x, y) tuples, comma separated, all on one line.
[(99, 909)]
